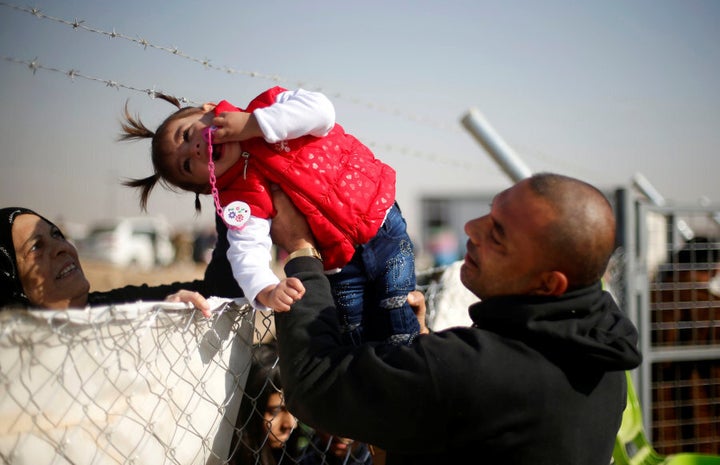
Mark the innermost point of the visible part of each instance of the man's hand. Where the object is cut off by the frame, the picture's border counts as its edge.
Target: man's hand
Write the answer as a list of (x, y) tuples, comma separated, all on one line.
[(416, 299), (194, 298), (289, 228)]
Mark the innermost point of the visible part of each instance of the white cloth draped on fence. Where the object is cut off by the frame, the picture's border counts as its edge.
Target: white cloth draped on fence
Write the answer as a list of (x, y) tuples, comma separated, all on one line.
[(150, 382)]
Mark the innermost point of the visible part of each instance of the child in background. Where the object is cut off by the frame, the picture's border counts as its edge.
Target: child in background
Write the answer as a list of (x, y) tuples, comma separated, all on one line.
[(290, 139)]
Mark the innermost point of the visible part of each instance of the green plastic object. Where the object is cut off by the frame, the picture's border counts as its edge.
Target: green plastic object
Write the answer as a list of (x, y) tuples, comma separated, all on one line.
[(633, 448)]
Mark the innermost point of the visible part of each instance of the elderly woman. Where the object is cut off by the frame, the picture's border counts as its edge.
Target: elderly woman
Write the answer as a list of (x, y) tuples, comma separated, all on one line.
[(40, 268)]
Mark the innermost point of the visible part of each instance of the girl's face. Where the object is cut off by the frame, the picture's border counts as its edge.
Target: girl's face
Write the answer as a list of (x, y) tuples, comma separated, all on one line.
[(187, 162), (279, 423), (48, 265)]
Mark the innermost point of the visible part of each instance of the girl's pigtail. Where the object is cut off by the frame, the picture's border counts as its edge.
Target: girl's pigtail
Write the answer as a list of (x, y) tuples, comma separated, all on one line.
[(169, 98), (133, 127), (145, 185)]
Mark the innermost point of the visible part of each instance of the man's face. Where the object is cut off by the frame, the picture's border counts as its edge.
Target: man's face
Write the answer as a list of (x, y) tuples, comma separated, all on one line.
[(505, 247)]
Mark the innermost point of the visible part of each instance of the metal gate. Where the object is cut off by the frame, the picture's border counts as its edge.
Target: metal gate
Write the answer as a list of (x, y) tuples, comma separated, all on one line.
[(666, 278)]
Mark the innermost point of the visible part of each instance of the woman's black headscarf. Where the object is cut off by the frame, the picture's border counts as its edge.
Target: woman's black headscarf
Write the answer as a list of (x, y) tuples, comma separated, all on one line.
[(11, 291)]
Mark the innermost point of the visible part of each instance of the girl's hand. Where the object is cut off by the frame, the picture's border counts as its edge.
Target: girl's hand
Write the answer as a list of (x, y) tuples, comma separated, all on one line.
[(235, 126), (283, 295)]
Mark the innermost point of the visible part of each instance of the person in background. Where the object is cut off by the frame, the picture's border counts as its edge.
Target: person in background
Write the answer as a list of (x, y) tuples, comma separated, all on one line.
[(443, 244), (40, 268), (266, 433), (691, 281), (685, 311), (537, 379)]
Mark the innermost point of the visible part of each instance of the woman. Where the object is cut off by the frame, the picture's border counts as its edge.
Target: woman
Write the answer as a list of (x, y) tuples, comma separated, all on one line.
[(266, 433), (40, 268)]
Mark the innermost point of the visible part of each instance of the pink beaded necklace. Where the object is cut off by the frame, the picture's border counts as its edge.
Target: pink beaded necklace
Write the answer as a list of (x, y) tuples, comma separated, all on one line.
[(236, 213)]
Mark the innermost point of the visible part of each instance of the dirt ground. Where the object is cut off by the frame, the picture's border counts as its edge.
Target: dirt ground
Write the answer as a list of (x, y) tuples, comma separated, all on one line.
[(103, 276)]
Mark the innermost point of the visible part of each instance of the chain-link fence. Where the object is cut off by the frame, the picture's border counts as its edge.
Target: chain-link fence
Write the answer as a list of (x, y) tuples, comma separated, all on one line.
[(150, 382), (129, 384), (158, 383)]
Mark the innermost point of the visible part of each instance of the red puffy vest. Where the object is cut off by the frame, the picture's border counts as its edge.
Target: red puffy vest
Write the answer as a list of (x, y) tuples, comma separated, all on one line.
[(335, 181)]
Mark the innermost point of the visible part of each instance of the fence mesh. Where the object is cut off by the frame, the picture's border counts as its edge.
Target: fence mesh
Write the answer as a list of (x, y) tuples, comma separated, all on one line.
[(144, 383), (684, 319), (158, 383), (130, 384)]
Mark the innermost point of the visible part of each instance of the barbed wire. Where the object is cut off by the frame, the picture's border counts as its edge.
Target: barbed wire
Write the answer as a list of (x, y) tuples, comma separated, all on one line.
[(81, 24), (34, 65)]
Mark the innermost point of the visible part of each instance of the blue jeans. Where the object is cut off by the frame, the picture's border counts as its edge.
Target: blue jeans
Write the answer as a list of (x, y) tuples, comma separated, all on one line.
[(371, 291)]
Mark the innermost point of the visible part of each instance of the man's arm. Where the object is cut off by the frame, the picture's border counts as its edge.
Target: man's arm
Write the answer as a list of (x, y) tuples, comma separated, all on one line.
[(367, 386)]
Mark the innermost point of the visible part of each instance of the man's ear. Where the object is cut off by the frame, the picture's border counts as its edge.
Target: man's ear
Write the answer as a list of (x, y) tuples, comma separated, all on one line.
[(208, 106), (553, 283)]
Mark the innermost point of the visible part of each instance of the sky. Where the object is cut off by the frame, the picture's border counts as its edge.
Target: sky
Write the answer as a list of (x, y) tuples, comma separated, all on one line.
[(599, 90)]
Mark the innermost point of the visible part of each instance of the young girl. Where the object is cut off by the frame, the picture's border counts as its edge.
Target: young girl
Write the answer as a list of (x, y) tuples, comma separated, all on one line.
[(290, 139)]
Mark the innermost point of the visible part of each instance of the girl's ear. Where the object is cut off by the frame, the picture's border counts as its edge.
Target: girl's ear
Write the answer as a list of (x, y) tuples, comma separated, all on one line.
[(208, 106)]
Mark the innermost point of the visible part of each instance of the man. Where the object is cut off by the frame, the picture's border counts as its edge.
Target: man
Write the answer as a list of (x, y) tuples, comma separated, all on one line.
[(537, 379)]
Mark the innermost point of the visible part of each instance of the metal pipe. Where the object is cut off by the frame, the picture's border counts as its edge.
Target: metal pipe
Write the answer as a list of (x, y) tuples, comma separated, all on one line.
[(645, 187), (642, 184), (498, 149)]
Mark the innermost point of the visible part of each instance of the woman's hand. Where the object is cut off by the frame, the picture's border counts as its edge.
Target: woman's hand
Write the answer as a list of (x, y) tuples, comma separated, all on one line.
[(194, 298)]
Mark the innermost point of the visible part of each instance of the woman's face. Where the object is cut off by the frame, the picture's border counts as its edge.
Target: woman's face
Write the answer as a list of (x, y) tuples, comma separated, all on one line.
[(279, 423), (48, 265)]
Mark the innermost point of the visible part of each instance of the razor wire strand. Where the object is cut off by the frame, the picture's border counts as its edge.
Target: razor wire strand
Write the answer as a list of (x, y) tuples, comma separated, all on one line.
[(34, 65), (81, 24)]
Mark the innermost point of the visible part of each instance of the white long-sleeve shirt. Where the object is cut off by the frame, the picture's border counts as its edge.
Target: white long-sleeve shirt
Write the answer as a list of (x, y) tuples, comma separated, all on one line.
[(296, 113)]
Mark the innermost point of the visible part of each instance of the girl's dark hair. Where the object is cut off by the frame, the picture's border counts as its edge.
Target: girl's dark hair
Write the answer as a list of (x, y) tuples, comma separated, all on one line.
[(134, 129)]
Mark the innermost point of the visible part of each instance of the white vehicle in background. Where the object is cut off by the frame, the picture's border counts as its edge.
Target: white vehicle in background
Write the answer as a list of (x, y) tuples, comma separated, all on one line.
[(130, 241)]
